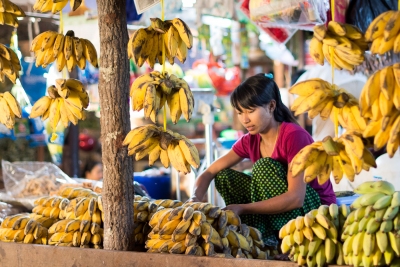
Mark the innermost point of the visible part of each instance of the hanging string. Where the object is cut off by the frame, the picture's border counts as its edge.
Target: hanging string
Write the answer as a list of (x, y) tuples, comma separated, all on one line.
[(163, 69), (61, 30), (61, 27)]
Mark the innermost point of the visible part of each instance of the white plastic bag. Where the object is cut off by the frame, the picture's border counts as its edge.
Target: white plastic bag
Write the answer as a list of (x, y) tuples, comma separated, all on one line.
[(24, 179), (292, 13)]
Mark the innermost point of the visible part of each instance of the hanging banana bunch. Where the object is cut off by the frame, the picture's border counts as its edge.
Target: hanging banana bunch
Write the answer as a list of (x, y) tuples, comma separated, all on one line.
[(65, 50), (66, 101), (342, 45), (172, 148), (345, 155), (319, 97), (151, 91), (380, 103), (55, 6), (9, 64), (9, 109), (383, 32), (9, 12), (147, 44)]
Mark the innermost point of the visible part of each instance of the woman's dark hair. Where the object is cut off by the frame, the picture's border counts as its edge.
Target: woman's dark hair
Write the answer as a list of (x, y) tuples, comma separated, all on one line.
[(90, 164), (258, 91)]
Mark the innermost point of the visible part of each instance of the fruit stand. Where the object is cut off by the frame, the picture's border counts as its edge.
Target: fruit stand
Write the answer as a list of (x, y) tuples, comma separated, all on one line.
[(80, 227)]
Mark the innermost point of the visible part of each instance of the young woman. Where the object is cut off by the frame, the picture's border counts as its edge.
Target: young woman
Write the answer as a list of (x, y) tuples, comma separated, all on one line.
[(93, 170), (271, 196)]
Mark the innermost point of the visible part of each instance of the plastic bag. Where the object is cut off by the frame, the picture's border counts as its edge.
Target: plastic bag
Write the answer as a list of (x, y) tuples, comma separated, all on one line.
[(24, 179), (280, 35), (362, 12), (295, 13)]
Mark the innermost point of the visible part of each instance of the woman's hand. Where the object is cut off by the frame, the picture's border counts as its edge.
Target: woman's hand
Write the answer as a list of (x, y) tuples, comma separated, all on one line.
[(236, 208), (193, 199)]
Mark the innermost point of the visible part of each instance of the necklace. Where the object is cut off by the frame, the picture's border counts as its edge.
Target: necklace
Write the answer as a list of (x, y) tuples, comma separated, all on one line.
[(276, 139)]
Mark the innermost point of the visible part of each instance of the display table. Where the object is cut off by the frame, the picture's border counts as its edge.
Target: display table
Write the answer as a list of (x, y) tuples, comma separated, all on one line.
[(18, 255)]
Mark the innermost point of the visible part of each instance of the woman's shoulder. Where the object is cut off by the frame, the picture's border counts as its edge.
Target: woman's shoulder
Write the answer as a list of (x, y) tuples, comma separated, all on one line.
[(291, 129)]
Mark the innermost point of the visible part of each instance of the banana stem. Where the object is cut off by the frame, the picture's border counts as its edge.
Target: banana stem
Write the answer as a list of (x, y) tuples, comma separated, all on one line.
[(330, 146), (333, 9)]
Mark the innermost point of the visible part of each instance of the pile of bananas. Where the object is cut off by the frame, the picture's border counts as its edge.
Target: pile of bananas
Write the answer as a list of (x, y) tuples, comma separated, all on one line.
[(204, 230), (312, 239), (9, 64), (342, 45), (50, 206), (172, 36), (151, 91), (65, 50), (55, 6), (370, 233), (144, 209), (9, 12), (172, 148), (345, 155), (383, 32), (380, 103), (319, 97), (9, 109), (76, 233), (74, 192), (25, 228), (65, 102)]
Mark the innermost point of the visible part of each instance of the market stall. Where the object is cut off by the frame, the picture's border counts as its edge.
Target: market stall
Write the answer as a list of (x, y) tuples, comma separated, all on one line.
[(151, 89)]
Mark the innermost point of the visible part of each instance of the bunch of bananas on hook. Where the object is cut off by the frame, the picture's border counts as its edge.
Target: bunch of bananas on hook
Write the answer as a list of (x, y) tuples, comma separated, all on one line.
[(172, 36), (172, 148), (151, 91), (346, 155), (9, 109), (55, 6), (319, 97), (66, 50), (383, 32), (9, 64), (9, 12), (65, 102), (342, 45)]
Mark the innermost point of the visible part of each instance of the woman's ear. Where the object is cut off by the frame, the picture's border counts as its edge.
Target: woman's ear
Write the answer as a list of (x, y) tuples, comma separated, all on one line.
[(272, 106)]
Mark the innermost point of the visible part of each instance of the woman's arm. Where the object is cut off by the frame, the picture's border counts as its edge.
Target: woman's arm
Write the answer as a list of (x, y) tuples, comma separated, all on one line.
[(204, 180), (290, 200)]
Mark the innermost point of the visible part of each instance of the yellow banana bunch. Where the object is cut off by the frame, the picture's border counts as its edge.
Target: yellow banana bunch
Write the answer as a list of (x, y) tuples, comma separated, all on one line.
[(204, 230), (314, 237), (55, 6), (66, 51), (9, 64), (380, 103), (318, 97), (147, 44), (172, 148), (9, 12), (345, 155), (383, 32), (66, 103), (371, 228), (9, 109), (75, 192), (342, 45), (151, 91)]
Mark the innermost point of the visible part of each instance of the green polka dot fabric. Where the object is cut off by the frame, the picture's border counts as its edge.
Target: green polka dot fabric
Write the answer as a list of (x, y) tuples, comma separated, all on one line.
[(268, 180)]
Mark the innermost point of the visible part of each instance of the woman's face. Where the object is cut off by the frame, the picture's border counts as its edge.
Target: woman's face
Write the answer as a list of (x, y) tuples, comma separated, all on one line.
[(256, 120), (96, 173)]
